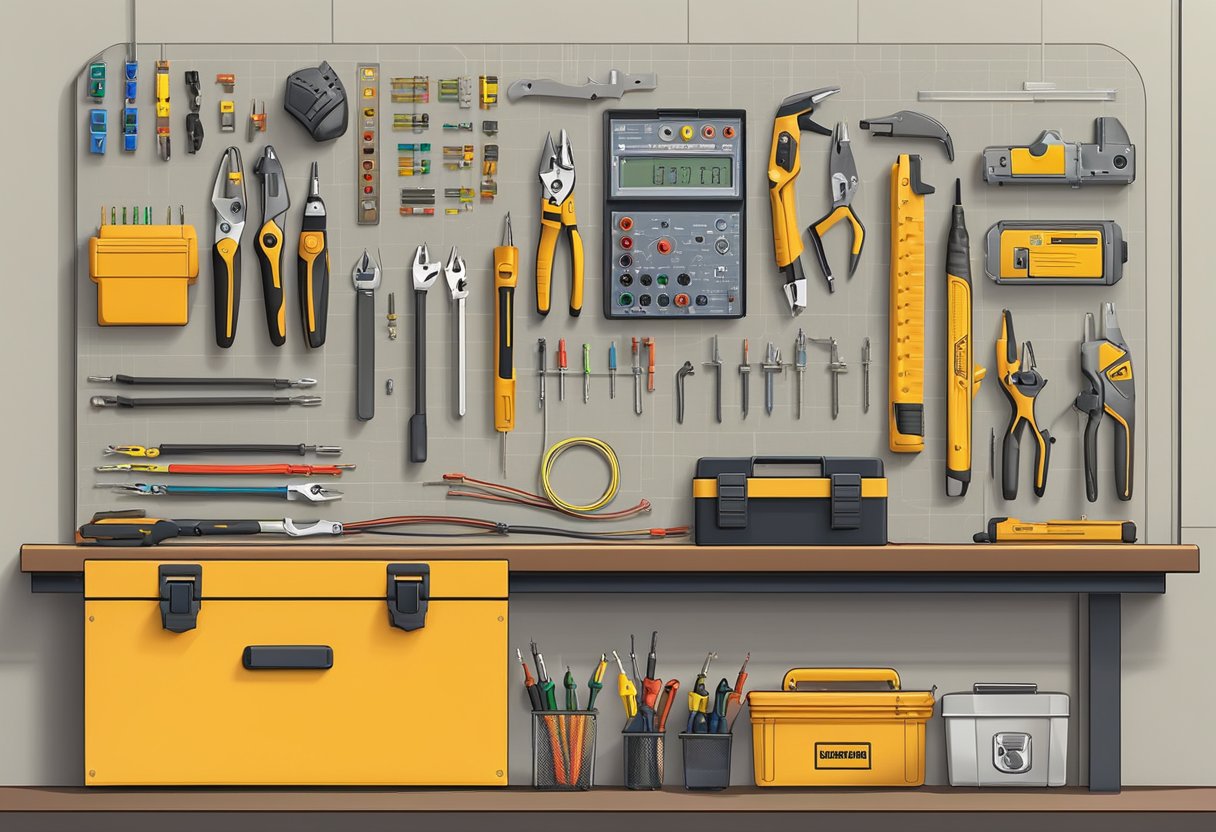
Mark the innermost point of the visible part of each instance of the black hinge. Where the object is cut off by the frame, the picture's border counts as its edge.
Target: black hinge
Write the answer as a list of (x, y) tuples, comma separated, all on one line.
[(180, 587), (732, 501), (409, 589), (846, 501)]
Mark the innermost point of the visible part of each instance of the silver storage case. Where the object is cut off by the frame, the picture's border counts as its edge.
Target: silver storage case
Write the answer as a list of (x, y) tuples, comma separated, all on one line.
[(1006, 735)]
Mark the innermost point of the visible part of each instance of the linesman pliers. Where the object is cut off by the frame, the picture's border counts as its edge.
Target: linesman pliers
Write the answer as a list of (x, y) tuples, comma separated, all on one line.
[(843, 185), (228, 199), (557, 213), (313, 492), (1106, 364), (1022, 383)]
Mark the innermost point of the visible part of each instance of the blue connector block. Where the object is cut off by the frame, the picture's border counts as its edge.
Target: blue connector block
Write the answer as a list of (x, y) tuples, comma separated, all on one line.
[(130, 128), (97, 131), (130, 70)]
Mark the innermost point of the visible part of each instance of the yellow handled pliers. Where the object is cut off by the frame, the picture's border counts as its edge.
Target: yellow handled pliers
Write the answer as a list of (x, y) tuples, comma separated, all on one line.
[(557, 212), (843, 184)]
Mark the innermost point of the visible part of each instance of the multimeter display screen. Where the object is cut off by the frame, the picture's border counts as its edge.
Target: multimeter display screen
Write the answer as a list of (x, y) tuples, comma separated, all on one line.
[(676, 172)]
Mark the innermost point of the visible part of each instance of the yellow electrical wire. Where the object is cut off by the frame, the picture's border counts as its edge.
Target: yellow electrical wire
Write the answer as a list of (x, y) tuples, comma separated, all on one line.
[(603, 449)]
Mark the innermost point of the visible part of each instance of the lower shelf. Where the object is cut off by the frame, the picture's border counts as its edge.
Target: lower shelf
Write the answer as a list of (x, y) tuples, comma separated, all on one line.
[(608, 799)]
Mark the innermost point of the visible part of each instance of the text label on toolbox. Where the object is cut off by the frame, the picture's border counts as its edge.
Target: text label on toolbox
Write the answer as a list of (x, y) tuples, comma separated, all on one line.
[(842, 755)]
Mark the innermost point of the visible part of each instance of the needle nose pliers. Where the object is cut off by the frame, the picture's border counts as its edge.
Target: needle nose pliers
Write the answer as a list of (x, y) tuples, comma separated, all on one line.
[(843, 182), (557, 213)]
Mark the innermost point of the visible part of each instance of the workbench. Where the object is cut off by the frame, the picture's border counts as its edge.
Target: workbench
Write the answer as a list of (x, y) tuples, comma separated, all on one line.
[(1102, 573)]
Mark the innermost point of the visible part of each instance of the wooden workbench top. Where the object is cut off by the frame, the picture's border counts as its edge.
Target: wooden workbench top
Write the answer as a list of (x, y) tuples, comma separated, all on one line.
[(669, 557)]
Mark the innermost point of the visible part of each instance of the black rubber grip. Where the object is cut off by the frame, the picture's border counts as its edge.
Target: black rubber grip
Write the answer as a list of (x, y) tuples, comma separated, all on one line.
[(506, 357), (1091, 456), (417, 427), (365, 356), (319, 278), (225, 330), (272, 294), (910, 419), (181, 450), (288, 657), (208, 528), (1123, 461), (1010, 456)]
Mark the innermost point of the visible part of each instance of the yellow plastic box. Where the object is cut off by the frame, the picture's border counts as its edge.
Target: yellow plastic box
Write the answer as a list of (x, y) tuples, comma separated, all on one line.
[(143, 274), (295, 673), (847, 731)]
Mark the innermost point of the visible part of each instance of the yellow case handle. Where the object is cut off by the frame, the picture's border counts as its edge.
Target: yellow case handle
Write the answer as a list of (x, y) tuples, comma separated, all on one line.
[(840, 674)]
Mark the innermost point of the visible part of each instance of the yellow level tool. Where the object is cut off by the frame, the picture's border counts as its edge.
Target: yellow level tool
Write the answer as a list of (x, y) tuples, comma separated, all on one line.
[(906, 411), (1011, 530), (964, 376)]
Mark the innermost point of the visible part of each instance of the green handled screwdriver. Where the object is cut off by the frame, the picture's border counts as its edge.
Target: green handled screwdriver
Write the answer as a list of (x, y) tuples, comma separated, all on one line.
[(596, 683), (571, 690), (547, 693)]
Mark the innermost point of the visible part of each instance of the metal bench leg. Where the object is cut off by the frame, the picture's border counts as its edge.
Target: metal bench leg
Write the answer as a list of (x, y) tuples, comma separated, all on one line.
[(1105, 741)]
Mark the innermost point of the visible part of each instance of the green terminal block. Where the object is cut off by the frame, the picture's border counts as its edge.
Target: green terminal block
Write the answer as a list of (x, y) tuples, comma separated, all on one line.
[(97, 80)]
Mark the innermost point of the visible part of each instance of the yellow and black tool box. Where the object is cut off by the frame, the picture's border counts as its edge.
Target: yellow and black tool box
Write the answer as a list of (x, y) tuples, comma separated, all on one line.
[(295, 673), (840, 726), (143, 274), (789, 501)]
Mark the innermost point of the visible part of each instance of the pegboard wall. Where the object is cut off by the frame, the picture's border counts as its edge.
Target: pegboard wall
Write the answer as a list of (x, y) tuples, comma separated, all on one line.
[(657, 455)]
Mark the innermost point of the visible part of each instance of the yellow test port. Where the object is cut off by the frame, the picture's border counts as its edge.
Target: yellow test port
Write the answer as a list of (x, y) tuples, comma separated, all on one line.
[(686, 132)]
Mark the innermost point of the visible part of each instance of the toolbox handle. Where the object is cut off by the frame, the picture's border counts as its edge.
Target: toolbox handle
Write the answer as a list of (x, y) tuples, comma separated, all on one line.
[(840, 674), (789, 461), (288, 657)]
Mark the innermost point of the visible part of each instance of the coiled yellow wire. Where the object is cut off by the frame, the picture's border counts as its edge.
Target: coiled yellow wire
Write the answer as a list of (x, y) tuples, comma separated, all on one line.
[(603, 449)]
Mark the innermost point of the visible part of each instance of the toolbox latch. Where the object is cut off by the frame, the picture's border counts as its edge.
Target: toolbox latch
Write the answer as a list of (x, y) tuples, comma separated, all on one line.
[(846, 501), (732, 501), (180, 588), (409, 589)]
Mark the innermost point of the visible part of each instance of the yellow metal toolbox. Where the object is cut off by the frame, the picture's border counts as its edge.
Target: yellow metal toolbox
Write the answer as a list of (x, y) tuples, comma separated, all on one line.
[(854, 726), (318, 672)]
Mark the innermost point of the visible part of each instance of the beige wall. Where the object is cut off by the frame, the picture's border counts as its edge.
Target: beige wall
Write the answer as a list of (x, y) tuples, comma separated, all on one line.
[(1168, 672)]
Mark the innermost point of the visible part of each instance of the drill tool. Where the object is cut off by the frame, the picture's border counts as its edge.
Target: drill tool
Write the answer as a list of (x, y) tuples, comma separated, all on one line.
[(458, 287), (563, 363), (596, 683), (698, 700), (425, 273), (843, 183), (506, 277), (1022, 383), (715, 361), (836, 367), (636, 369), (909, 124), (228, 200), (865, 375), (313, 492), (800, 365), (964, 374), (682, 373), (906, 372), (745, 375), (1106, 364), (784, 165), (1109, 160), (771, 367), (1010, 530), (366, 277), (612, 370), (557, 214), (313, 274), (529, 683), (586, 373), (269, 242), (717, 716)]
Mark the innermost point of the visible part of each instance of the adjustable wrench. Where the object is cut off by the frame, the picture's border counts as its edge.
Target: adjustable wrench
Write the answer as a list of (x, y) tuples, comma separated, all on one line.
[(458, 285)]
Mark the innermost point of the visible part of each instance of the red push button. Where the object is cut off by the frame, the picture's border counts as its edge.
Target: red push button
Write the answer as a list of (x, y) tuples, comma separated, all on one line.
[(664, 246)]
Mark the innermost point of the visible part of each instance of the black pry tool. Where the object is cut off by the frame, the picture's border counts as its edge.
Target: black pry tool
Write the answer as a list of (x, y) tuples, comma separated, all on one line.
[(909, 124)]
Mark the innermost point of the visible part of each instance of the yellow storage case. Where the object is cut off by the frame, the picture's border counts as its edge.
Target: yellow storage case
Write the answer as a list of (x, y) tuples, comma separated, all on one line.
[(296, 673), (143, 274), (842, 734)]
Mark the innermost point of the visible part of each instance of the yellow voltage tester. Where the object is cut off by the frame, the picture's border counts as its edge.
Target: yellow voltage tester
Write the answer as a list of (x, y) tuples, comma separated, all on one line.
[(906, 413), (313, 265), (506, 276), (963, 375), (1010, 530), (1055, 252), (784, 165)]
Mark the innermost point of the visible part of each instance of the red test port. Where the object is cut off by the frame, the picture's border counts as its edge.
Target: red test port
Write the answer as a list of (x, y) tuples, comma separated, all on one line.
[(367, 137), (664, 246), (728, 132), (626, 242), (682, 300), (626, 223), (708, 131)]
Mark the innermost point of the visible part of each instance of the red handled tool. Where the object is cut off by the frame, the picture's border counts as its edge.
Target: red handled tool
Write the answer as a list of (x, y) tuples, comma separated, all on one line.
[(278, 469)]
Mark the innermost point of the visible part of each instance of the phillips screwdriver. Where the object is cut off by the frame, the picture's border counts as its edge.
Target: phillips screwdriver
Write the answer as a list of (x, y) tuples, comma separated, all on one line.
[(612, 370), (586, 373), (529, 683), (506, 276), (540, 372), (665, 702), (626, 689), (313, 275), (548, 695), (596, 683), (561, 369), (698, 700)]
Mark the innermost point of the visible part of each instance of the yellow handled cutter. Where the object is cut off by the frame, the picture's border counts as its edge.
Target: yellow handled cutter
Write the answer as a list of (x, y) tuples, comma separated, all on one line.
[(1022, 383), (228, 199), (963, 375), (557, 214), (275, 203)]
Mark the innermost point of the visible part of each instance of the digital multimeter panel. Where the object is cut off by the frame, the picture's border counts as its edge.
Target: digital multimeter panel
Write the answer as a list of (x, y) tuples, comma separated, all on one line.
[(675, 225)]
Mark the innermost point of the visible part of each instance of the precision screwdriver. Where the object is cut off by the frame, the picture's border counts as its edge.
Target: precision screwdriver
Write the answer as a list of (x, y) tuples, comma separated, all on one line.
[(506, 277), (548, 695), (637, 378), (529, 682), (612, 370), (561, 369), (313, 265), (540, 372), (586, 373), (596, 683)]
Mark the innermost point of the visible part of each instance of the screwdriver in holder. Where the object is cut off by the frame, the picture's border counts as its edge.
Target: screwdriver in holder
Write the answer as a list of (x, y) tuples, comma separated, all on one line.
[(561, 369), (698, 700), (596, 683), (548, 694), (626, 689), (530, 683), (717, 717)]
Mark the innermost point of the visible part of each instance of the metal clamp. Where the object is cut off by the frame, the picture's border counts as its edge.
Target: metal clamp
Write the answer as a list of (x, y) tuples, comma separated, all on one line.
[(409, 590), (180, 588)]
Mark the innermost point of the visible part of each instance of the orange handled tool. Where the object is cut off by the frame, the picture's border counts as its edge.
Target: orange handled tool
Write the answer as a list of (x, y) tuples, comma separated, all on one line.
[(506, 277), (665, 701)]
